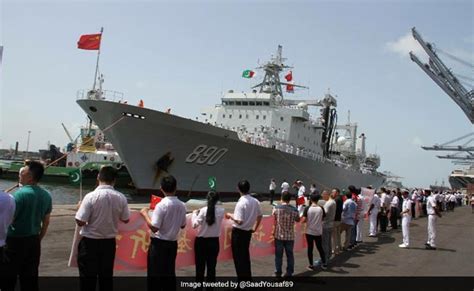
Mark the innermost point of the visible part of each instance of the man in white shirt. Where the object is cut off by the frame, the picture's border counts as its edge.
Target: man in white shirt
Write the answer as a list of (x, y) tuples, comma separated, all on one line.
[(433, 211), (246, 217), (168, 218), (394, 211), (7, 211), (373, 213), (301, 199), (272, 188), (406, 218), (284, 186), (99, 214), (414, 199), (384, 209)]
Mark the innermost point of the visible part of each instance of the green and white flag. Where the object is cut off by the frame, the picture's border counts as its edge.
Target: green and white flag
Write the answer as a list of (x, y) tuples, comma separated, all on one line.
[(212, 183), (75, 177), (248, 74)]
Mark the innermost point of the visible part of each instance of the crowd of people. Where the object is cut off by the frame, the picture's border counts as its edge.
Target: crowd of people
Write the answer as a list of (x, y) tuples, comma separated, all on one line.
[(24, 220)]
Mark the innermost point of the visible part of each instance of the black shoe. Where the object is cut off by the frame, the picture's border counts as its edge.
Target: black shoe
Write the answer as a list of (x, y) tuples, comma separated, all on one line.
[(427, 244), (428, 247)]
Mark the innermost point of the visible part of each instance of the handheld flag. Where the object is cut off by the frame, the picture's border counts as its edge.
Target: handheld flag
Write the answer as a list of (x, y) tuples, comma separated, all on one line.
[(89, 41), (212, 183), (154, 200), (75, 177)]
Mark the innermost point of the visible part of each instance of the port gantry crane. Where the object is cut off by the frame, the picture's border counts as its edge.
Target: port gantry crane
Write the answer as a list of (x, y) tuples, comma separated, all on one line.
[(443, 76)]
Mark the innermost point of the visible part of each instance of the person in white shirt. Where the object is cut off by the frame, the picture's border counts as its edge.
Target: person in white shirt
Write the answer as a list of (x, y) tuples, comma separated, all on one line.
[(246, 217), (168, 218), (394, 211), (301, 199), (272, 188), (313, 217), (406, 218), (284, 186), (384, 209), (99, 214), (414, 199), (360, 223), (206, 246), (373, 213), (433, 211)]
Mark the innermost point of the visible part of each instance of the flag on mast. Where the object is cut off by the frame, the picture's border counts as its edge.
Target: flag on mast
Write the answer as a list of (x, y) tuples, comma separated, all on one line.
[(89, 41), (289, 76), (248, 74), (290, 88)]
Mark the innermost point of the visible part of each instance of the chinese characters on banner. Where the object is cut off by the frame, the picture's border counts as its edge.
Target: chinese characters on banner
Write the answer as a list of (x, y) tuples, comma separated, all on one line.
[(134, 238)]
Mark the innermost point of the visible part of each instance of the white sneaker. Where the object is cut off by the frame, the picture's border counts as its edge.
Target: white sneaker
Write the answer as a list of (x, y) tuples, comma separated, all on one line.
[(403, 246)]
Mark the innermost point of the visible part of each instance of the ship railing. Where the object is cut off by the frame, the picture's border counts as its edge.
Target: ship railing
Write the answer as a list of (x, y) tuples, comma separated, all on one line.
[(109, 95)]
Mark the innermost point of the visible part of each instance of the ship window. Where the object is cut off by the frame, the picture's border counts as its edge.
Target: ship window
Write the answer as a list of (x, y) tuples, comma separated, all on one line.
[(223, 115), (240, 116), (281, 118), (231, 103), (276, 131), (210, 116), (247, 116), (224, 102), (266, 103), (238, 103), (230, 115), (258, 103), (245, 103), (256, 117), (264, 117), (251, 103)]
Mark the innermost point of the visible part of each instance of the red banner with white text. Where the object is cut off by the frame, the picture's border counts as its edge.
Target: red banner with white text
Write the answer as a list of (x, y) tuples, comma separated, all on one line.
[(134, 238)]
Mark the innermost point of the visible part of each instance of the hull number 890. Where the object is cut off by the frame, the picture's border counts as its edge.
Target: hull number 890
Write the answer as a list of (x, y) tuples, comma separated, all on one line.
[(204, 154)]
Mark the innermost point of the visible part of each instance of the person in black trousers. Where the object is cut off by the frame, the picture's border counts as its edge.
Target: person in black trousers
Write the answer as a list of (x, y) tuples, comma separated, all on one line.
[(206, 245), (29, 226), (247, 214), (168, 218), (99, 214)]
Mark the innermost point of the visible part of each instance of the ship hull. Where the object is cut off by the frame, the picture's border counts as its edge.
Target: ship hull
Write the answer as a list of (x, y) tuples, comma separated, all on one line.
[(142, 137), (460, 182)]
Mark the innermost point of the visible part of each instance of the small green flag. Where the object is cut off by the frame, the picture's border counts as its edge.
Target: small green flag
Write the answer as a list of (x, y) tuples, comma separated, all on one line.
[(212, 183), (248, 74), (75, 177)]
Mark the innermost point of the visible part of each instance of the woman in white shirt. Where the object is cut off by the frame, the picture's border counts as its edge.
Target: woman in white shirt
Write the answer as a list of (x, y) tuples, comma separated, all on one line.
[(206, 246)]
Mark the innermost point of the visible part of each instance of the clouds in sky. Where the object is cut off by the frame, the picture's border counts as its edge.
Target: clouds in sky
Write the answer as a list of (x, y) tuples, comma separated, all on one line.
[(403, 45)]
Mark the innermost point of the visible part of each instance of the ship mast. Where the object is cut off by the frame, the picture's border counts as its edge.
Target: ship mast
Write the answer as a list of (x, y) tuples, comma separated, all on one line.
[(271, 83)]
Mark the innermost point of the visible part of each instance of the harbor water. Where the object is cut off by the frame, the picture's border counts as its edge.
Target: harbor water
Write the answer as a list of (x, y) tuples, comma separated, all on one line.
[(68, 194)]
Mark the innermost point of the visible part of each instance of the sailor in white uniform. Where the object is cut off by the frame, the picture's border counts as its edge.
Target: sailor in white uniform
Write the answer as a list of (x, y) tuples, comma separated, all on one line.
[(433, 211), (406, 218)]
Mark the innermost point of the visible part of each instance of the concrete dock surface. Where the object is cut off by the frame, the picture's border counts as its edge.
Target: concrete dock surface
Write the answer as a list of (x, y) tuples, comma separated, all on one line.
[(379, 256)]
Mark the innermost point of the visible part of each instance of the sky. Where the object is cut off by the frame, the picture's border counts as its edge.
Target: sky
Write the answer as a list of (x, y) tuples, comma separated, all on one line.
[(184, 54)]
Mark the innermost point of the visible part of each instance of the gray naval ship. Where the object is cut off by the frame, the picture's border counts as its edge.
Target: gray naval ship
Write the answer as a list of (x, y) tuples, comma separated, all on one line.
[(258, 135)]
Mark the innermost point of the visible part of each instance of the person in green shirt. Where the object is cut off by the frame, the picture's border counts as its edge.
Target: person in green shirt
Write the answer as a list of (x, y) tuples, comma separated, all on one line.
[(29, 226)]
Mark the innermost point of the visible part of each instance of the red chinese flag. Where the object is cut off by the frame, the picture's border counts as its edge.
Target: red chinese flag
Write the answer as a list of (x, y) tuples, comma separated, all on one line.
[(89, 42), (290, 88), (289, 76), (154, 200)]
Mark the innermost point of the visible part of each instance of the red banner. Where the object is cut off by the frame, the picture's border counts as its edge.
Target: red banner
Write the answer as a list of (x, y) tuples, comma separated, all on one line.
[(134, 238)]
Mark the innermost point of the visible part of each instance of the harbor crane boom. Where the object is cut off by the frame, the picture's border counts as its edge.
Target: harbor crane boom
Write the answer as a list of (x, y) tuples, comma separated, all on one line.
[(443, 76)]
